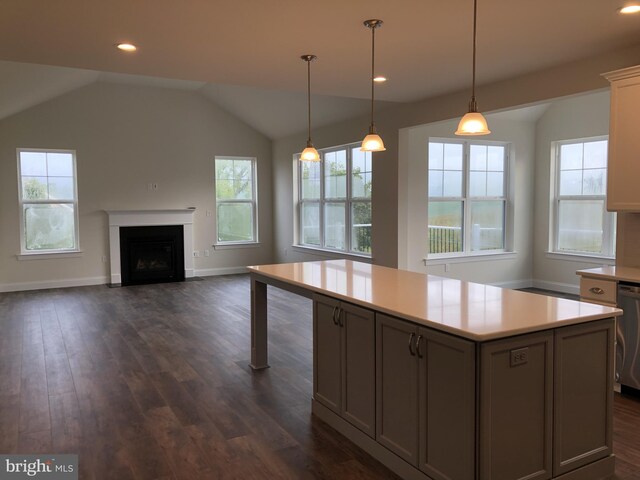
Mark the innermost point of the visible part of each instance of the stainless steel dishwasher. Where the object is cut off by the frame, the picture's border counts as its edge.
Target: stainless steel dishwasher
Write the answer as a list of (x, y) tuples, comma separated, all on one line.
[(628, 336)]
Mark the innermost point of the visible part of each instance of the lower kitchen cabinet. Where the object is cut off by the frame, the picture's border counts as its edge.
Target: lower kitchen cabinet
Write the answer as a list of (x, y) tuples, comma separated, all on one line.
[(516, 399), (426, 398), (583, 395), (344, 359), (436, 406)]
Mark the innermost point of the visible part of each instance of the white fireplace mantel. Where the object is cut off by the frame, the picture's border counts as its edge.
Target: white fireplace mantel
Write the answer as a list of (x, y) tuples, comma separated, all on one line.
[(142, 218)]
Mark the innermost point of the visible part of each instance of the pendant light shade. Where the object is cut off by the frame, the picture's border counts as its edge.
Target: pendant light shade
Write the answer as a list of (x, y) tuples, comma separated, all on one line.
[(372, 142), (309, 154), (473, 123)]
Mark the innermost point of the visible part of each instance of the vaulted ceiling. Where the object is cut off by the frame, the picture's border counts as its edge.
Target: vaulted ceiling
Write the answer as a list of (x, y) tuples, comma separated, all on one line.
[(246, 51)]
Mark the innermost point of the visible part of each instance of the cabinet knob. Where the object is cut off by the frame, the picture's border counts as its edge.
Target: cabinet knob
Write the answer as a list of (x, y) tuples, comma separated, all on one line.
[(596, 290)]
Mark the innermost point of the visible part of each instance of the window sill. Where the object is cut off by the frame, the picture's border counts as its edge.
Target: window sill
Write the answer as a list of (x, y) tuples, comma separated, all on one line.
[(330, 253), (230, 246), (49, 255), (581, 257), (470, 257)]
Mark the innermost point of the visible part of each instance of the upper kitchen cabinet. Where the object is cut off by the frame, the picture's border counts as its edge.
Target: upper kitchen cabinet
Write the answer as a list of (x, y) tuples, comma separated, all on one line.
[(623, 193)]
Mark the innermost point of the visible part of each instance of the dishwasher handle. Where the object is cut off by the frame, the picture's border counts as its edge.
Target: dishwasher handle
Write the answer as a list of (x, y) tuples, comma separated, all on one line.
[(629, 291)]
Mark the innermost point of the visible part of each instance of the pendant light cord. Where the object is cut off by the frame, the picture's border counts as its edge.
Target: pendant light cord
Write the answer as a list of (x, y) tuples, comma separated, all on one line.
[(309, 99), (373, 56), (473, 81)]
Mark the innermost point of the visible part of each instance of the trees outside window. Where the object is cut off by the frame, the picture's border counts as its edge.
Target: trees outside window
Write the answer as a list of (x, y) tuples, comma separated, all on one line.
[(236, 204), (334, 200), (48, 200)]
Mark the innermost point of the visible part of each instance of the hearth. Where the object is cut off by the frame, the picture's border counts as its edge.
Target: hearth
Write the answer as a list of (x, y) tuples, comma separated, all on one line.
[(152, 254)]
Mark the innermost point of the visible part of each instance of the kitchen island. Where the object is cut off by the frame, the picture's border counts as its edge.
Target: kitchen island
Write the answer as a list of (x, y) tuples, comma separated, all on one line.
[(445, 379)]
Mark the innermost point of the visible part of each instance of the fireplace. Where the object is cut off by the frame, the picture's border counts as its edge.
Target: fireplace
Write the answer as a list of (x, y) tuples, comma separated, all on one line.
[(158, 243), (151, 254)]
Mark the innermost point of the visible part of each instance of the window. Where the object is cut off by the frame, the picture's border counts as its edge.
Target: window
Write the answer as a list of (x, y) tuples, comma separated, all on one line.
[(467, 197), (582, 223), (48, 201), (235, 185), (334, 208)]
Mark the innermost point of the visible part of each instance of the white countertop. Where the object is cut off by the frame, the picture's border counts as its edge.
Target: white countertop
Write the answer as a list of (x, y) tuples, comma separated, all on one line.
[(471, 310), (611, 272)]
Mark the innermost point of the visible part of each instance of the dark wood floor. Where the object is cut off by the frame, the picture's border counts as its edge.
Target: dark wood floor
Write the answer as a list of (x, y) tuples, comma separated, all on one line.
[(152, 382)]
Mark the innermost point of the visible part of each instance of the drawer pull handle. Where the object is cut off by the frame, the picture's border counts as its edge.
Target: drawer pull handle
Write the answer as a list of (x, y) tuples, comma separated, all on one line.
[(418, 346), (335, 320), (411, 350), (596, 290)]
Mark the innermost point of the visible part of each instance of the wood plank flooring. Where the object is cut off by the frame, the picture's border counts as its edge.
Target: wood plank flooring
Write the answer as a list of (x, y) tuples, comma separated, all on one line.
[(152, 382)]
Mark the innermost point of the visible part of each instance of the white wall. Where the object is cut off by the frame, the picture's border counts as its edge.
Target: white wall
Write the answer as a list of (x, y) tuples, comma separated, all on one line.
[(514, 270), (126, 137), (581, 116)]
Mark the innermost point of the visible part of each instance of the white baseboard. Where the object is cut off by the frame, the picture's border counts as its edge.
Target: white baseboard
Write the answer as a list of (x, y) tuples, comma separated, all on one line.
[(210, 272), (514, 284), (557, 286), (68, 282)]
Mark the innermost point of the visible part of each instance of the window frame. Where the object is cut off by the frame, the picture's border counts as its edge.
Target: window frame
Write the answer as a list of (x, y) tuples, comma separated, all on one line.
[(24, 252), (609, 218), (253, 202), (349, 200), (466, 200)]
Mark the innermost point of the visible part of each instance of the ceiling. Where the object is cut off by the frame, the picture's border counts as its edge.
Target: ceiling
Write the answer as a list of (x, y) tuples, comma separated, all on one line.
[(244, 53)]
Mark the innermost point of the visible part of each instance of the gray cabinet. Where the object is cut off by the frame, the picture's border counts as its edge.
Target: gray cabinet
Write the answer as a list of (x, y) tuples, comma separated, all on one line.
[(583, 395), (447, 399), (435, 406), (426, 398), (344, 359), (516, 414), (397, 387)]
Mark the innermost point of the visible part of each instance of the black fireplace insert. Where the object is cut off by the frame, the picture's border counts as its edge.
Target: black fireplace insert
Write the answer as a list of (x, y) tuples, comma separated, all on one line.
[(152, 254)]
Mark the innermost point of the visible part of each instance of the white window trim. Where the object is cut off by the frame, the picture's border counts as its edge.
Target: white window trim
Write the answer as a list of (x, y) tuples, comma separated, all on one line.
[(48, 253), (608, 221), (474, 255), (578, 257), (220, 245), (348, 200), (483, 256)]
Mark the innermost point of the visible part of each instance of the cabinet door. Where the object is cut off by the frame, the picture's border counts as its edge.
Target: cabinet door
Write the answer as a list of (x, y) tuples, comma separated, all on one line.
[(326, 353), (447, 376), (516, 401), (583, 394), (358, 367), (396, 387), (624, 141)]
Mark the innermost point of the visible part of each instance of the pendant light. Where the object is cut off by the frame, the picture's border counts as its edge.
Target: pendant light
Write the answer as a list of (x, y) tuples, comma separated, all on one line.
[(473, 123), (372, 142), (309, 154)]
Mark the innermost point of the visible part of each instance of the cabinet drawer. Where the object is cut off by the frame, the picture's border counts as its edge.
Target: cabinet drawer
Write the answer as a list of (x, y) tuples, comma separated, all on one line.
[(601, 291)]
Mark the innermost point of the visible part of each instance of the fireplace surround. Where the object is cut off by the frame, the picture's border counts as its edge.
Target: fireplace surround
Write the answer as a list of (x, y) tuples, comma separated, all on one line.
[(119, 219)]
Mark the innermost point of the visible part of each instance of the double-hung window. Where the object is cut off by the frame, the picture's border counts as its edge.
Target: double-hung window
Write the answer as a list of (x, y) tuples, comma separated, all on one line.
[(334, 200), (236, 206), (48, 198), (582, 223), (467, 197)]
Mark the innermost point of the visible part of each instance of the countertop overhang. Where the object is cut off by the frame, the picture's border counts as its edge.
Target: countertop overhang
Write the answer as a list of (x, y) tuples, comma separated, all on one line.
[(471, 310)]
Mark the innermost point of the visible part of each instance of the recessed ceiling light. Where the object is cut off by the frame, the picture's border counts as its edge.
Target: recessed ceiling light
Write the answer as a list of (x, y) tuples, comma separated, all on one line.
[(379, 79), (630, 8), (127, 47)]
